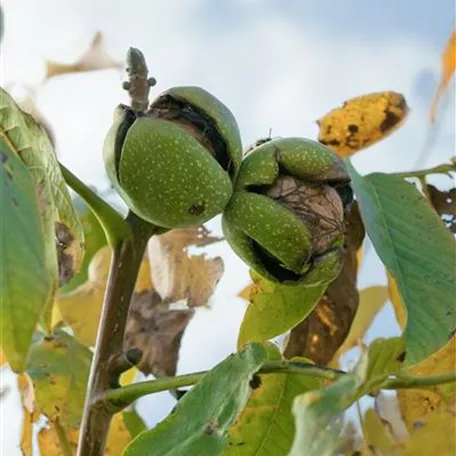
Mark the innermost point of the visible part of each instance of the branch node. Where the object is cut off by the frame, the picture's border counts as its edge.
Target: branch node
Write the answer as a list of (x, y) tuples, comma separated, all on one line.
[(120, 363)]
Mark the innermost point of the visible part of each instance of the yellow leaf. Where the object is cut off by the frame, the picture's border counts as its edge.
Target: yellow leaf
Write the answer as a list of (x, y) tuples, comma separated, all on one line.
[(448, 68), (247, 292), (118, 437), (3, 358), (377, 437), (436, 437), (399, 308), (180, 276), (362, 121), (95, 58), (81, 308), (50, 444), (418, 405), (25, 386), (372, 299), (128, 377)]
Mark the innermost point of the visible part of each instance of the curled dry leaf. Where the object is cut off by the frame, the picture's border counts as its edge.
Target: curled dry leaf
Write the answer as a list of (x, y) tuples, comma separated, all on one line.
[(320, 335), (81, 308), (362, 121), (448, 69), (176, 274), (95, 58), (25, 386), (417, 406), (157, 331), (444, 202)]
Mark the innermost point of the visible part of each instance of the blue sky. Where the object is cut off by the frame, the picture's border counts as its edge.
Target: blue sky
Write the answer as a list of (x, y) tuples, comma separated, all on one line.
[(276, 64)]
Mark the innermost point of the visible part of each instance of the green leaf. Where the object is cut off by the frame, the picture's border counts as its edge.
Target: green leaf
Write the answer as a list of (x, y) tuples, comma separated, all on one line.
[(419, 251), (275, 308), (25, 284), (386, 357), (94, 239), (30, 142), (266, 426), (59, 367), (202, 417), (133, 422), (319, 413)]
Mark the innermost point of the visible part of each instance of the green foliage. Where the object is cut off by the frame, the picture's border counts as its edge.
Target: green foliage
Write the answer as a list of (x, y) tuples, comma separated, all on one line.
[(414, 245), (39, 213), (23, 258), (203, 416), (274, 309), (266, 424)]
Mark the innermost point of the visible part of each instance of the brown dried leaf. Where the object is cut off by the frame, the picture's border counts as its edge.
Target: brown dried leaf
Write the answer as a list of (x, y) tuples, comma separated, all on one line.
[(417, 406), (178, 275), (95, 58), (445, 205), (81, 308), (157, 331), (362, 121), (320, 335), (448, 68)]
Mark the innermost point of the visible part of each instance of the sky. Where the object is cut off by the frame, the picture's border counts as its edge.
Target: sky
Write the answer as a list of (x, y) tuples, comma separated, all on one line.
[(277, 65)]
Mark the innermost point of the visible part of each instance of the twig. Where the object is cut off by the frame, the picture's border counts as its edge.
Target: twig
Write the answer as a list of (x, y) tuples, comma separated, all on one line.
[(418, 381), (105, 372), (138, 85), (446, 168), (117, 399)]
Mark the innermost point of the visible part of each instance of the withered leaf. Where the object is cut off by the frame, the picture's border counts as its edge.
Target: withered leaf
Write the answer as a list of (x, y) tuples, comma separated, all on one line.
[(448, 69), (362, 121), (95, 58), (320, 335), (444, 202), (157, 331), (418, 405), (176, 274)]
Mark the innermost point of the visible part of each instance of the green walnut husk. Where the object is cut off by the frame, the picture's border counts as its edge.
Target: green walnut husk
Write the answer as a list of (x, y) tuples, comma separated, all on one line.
[(176, 164), (286, 218)]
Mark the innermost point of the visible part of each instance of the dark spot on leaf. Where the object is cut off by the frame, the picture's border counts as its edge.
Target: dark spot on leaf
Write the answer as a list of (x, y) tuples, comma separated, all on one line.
[(390, 121), (63, 240), (14, 201), (197, 209), (255, 382), (3, 157), (352, 128), (401, 357), (211, 428), (333, 142), (418, 424)]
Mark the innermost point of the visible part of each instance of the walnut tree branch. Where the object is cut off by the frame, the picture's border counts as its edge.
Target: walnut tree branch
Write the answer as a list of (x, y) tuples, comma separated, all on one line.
[(109, 359)]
